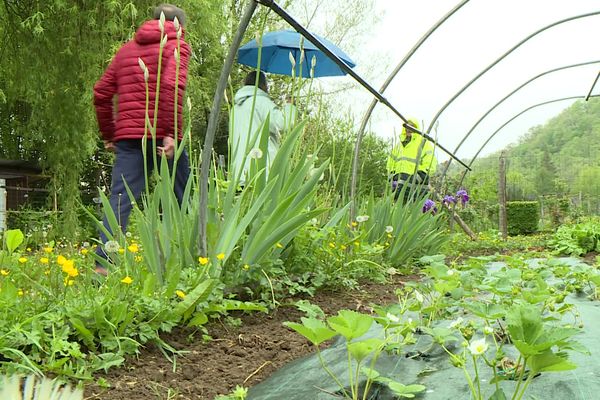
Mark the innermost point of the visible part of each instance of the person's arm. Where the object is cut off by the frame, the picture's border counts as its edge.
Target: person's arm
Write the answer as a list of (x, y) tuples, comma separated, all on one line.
[(282, 119), (104, 91), (428, 161)]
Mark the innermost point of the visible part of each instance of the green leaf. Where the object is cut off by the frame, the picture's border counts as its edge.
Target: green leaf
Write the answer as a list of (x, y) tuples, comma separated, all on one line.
[(13, 238), (350, 324), (550, 362), (198, 319), (86, 335), (198, 294), (362, 349), (407, 391), (313, 329), (485, 310), (370, 373), (498, 395)]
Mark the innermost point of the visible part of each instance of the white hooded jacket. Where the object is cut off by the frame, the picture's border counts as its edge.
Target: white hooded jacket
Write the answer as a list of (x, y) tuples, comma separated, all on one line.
[(243, 138)]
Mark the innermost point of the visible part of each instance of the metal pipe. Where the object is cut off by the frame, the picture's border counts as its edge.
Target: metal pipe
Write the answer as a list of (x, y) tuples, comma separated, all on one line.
[(592, 88), (367, 116), (213, 119), (447, 166), (512, 119), (290, 20), (562, 21)]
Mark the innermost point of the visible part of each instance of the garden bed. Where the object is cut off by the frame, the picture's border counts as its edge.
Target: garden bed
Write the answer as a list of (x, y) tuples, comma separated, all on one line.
[(242, 355)]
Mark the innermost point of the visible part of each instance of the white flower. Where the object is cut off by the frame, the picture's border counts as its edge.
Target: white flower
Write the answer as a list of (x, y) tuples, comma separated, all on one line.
[(362, 218), (161, 22), (86, 244), (292, 59), (456, 323), (255, 153), (144, 69), (392, 318), (478, 347), (451, 272), (112, 246), (419, 296), (389, 229), (128, 234), (488, 330)]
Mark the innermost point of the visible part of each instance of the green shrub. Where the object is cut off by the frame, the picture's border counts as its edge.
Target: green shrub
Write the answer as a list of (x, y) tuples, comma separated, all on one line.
[(522, 217)]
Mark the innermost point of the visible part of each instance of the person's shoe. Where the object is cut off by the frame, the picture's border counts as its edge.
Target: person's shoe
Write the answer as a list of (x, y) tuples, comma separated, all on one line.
[(101, 270)]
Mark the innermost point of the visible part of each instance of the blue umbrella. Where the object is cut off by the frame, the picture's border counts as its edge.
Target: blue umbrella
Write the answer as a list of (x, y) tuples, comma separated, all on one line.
[(276, 48)]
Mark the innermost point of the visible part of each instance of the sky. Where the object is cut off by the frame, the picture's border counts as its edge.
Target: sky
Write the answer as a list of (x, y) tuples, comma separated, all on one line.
[(473, 38)]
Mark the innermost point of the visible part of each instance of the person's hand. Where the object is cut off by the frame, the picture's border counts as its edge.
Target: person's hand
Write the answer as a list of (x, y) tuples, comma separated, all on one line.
[(168, 147), (109, 146)]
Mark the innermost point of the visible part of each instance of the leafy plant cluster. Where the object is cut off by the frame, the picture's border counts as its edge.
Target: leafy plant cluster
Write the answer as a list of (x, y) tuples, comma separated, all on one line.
[(512, 306), (577, 239), (522, 217)]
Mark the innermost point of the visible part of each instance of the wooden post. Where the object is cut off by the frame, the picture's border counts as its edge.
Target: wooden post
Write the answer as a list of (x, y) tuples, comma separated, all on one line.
[(503, 226)]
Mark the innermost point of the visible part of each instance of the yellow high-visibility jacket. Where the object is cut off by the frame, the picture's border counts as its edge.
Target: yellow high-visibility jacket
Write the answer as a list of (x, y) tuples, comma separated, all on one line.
[(417, 155)]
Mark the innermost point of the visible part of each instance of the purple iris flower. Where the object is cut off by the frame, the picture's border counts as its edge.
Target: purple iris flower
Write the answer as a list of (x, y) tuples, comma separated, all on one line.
[(449, 199), (463, 196), (429, 205), (394, 185)]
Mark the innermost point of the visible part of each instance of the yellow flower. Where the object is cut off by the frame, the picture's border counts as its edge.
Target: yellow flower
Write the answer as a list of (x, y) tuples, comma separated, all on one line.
[(127, 280), (138, 258), (20, 292), (357, 243), (44, 260), (279, 245), (47, 250), (220, 256), (332, 245), (22, 260), (180, 294), (4, 272), (60, 260), (246, 267), (84, 251), (68, 267), (68, 282), (121, 250), (29, 249), (343, 247), (133, 248), (389, 235), (203, 260), (387, 243), (354, 223)]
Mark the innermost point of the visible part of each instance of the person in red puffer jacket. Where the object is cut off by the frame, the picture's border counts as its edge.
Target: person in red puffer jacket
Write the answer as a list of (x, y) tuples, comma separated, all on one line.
[(120, 101)]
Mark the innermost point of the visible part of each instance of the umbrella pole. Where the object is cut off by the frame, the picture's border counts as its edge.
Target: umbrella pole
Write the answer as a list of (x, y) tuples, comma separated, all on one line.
[(213, 119), (296, 25)]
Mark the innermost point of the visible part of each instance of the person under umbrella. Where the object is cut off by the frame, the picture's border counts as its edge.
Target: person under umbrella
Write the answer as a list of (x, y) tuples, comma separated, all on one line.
[(251, 107)]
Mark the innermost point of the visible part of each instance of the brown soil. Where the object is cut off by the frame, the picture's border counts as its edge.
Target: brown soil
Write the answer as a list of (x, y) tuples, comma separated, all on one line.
[(242, 355)]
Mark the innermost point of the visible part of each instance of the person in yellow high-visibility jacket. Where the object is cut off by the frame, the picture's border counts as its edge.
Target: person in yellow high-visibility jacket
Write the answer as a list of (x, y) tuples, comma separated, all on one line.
[(410, 163)]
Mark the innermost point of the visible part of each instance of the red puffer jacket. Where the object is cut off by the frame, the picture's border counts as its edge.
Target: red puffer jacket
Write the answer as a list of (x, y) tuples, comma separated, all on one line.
[(124, 78)]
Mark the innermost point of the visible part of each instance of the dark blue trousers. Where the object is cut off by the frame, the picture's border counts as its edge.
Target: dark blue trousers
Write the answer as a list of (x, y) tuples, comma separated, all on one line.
[(129, 167)]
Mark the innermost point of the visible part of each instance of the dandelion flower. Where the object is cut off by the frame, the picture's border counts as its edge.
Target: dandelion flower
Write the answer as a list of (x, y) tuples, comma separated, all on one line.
[(47, 250), (354, 223), (478, 347), (22, 260), (133, 248), (221, 256), (255, 153), (127, 280), (112, 246), (389, 229), (342, 247), (203, 260), (180, 294), (362, 218), (4, 272)]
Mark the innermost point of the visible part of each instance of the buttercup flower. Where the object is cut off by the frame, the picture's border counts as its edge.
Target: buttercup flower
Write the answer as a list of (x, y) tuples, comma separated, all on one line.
[(47, 250), (180, 294), (221, 256), (4, 272), (84, 251), (133, 248), (60, 260), (246, 267), (127, 280), (22, 260), (478, 347), (203, 260)]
